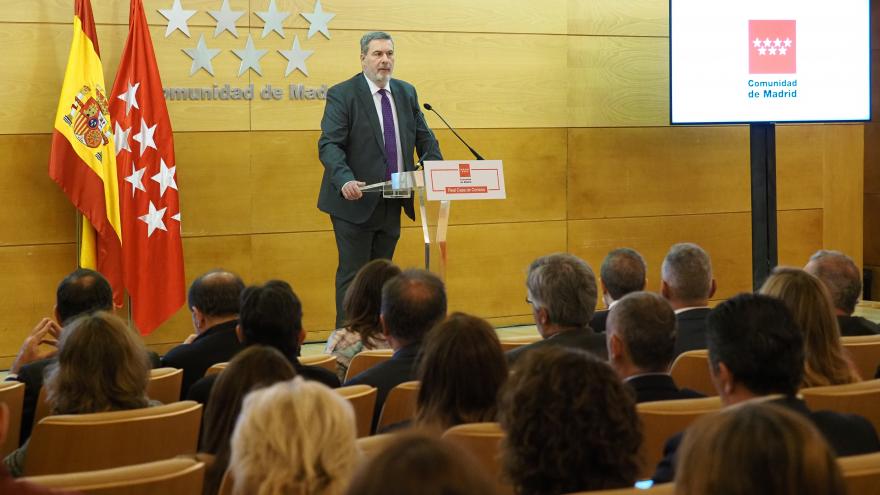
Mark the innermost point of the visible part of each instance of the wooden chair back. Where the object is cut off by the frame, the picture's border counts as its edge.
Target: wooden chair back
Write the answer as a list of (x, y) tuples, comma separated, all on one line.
[(363, 401), (400, 404), (862, 398), (365, 360), (483, 440), (663, 419), (85, 442), (864, 351), (12, 394), (216, 368), (691, 370), (861, 473), (164, 385), (226, 484), (326, 361), (374, 444), (42, 408), (171, 476)]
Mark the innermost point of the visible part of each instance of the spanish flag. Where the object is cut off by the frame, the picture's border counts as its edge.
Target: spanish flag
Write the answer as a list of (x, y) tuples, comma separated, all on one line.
[(83, 158)]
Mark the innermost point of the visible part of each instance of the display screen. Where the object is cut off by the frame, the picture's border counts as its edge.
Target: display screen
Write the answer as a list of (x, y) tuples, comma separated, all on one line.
[(741, 61)]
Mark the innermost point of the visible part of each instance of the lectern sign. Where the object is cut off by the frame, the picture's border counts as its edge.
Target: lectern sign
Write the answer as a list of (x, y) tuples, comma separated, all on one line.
[(456, 179)]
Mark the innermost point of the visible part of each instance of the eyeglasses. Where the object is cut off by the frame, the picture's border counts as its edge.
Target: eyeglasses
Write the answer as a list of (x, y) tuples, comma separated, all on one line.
[(529, 301)]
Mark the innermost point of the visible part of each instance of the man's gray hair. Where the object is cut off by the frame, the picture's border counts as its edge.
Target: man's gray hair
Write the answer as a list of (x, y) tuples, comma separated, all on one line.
[(565, 286), (687, 270), (623, 271), (374, 35), (840, 274)]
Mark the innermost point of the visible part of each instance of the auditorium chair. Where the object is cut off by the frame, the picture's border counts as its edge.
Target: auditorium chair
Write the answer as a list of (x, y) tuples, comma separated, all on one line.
[(484, 441), (861, 473), (862, 398), (363, 401), (663, 419), (327, 361), (85, 442), (374, 444), (216, 368), (164, 384), (226, 484), (664, 489), (365, 360), (178, 476), (400, 404), (691, 370), (510, 343), (12, 394), (864, 351)]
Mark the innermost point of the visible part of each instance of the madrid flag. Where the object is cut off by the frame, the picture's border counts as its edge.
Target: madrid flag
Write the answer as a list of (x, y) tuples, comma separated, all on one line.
[(82, 159), (772, 47), (150, 206)]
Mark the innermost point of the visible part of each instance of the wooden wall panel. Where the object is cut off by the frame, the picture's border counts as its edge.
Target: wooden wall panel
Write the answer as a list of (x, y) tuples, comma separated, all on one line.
[(843, 174), (872, 233), (800, 235), (799, 173), (618, 17)]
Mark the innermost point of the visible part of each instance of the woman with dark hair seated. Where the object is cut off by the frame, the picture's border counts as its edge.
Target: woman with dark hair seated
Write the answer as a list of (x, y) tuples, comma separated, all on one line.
[(255, 367), (571, 425), (461, 371), (102, 366)]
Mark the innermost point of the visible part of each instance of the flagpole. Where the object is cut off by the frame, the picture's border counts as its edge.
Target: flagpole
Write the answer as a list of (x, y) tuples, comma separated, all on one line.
[(79, 224)]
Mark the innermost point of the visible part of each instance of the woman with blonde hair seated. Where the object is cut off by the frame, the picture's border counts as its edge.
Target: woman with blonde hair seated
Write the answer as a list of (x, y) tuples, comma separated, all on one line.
[(295, 437), (809, 301), (756, 449)]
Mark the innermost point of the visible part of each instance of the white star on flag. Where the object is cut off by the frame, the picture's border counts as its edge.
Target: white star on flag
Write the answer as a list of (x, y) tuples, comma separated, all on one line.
[(783, 51), (130, 97), (136, 179), (165, 177), (153, 219), (318, 21), (773, 51), (177, 18), (757, 43), (767, 42), (120, 138), (145, 137), (787, 42), (762, 51), (777, 42)]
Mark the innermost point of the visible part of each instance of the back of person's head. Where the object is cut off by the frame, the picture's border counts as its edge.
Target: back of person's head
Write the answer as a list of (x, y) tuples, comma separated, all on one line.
[(271, 315), (571, 424), (687, 272), (759, 342), (840, 275), (102, 366), (645, 324), (363, 298), (81, 292), (423, 464), (412, 303), (462, 369), (756, 449), (293, 437), (564, 285), (810, 304), (216, 293), (623, 271)]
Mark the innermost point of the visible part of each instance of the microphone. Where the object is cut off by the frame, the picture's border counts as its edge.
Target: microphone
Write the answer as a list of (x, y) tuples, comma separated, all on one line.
[(429, 108)]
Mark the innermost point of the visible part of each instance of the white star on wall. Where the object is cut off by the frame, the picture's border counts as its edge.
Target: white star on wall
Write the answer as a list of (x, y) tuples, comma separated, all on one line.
[(153, 219), (165, 178), (225, 18), (145, 137), (130, 97), (177, 18), (201, 56), (318, 20), (272, 20), (250, 57), (120, 138), (136, 179), (296, 58)]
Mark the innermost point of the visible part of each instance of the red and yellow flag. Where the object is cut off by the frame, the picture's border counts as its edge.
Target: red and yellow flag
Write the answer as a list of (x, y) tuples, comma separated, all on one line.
[(82, 160)]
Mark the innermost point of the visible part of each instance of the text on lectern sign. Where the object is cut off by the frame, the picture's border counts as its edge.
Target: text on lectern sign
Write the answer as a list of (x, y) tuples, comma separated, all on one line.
[(457, 179)]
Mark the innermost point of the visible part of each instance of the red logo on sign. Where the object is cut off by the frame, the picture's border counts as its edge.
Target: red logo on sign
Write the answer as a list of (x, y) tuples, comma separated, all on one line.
[(772, 47), (464, 170)]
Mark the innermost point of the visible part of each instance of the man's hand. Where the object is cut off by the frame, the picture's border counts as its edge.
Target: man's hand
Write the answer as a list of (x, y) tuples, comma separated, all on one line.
[(46, 332), (351, 190)]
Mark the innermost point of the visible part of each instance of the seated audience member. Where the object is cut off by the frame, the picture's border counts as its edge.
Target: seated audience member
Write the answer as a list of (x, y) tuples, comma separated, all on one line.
[(623, 271), (362, 302), (756, 353), (843, 279), (270, 315), (461, 372), (561, 289), (808, 301), (81, 292), (571, 425), (294, 437), (416, 463), (256, 367), (412, 303), (757, 449), (641, 345), (213, 300), (101, 367), (686, 282)]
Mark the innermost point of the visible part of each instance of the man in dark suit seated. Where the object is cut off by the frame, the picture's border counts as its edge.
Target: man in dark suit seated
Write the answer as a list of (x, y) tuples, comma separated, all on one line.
[(756, 353), (213, 300), (623, 271), (686, 282), (561, 290), (270, 315), (412, 303), (641, 343), (844, 281)]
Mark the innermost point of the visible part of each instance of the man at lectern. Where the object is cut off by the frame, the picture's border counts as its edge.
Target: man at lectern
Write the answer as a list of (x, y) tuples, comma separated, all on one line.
[(371, 125)]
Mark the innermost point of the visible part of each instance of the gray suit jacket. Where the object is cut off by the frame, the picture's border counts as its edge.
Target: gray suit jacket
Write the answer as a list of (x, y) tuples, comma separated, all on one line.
[(351, 146)]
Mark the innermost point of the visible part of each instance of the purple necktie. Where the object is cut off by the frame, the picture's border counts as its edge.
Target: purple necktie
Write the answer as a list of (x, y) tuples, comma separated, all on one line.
[(390, 138)]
